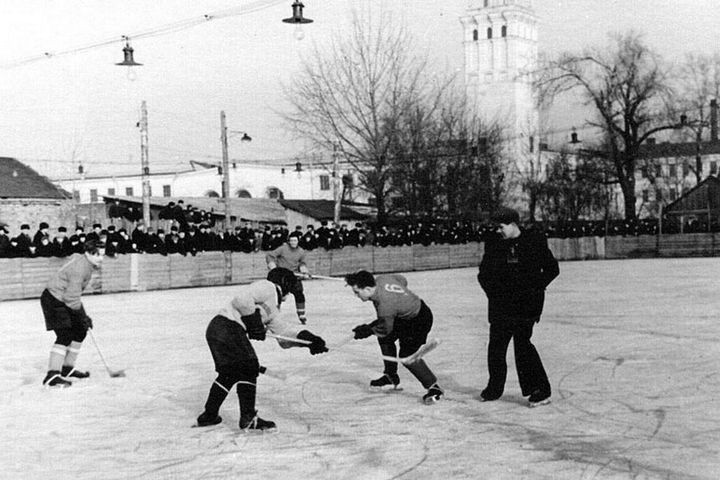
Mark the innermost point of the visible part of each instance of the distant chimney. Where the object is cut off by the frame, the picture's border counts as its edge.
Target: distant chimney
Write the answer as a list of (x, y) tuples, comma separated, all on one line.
[(713, 120)]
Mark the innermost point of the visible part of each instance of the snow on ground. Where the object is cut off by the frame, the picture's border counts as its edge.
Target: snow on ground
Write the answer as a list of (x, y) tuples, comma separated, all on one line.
[(631, 348)]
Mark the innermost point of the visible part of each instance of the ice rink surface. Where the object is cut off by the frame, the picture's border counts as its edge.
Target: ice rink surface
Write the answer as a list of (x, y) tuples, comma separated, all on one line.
[(632, 349)]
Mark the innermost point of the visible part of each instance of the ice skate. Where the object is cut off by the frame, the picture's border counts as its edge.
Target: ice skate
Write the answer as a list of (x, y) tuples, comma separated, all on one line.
[(387, 382), (433, 395), (70, 372), (255, 423), (207, 419), (538, 398), (303, 319), (54, 379)]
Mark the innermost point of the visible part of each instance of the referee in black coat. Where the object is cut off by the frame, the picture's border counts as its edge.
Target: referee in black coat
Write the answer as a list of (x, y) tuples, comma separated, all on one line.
[(515, 269)]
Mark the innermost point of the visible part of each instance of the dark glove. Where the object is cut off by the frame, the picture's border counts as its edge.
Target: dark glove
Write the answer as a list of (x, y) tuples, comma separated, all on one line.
[(87, 321), (362, 331), (317, 344), (254, 326)]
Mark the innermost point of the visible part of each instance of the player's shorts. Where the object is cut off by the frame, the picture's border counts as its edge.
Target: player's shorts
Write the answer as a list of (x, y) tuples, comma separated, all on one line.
[(229, 344)]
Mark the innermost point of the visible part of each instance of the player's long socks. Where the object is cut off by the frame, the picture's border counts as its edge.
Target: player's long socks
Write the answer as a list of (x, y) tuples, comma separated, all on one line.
[(423, 373), (246, 398), (72, 353), (58, 353), (390, 350), (300, 308), (216, 397)]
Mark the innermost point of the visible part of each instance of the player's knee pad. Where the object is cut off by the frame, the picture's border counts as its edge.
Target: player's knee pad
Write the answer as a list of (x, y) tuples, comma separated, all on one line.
[(64, 336), (232, 374)]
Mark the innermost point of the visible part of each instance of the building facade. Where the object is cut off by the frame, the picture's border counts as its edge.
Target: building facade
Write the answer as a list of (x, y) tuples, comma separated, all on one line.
[(247, 180)]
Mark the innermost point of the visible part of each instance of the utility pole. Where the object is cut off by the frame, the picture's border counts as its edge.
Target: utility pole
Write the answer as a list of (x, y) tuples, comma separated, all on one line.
[(336, 187), (145, 164), (225, 169)]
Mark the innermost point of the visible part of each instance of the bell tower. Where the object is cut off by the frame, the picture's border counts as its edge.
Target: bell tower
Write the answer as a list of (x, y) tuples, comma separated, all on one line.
[(501, 50)]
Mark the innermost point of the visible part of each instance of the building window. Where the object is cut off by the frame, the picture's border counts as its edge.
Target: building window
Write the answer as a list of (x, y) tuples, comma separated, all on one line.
[(489, 32), (129, 191), (324, 182), (658, 171), (242, 193), (673, 171), (645, 195), (686, 169), (532, 143), (503, 31), (475, 35), (713, 168), (658, 195), (212, 194), (166, 191), (644, 171), (93, 195), (111, 191), (274, 193), (149, 190), (673, 194), (76, 195)]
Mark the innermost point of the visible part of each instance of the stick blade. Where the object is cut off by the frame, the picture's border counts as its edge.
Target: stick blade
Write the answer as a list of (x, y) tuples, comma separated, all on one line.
[(118, 374), (428, 347)]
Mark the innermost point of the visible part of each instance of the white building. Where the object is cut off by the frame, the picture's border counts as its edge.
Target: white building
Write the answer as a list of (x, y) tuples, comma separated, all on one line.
[(247, 180)]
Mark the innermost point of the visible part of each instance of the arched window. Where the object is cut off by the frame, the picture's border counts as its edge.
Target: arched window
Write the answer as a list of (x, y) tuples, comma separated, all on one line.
[(503, 31), (212, 194), (489, 32), (274, 193), (242, 193), (475, 35)]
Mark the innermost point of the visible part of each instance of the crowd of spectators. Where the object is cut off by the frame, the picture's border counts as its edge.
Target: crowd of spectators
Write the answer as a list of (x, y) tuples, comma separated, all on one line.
[(200, 234)]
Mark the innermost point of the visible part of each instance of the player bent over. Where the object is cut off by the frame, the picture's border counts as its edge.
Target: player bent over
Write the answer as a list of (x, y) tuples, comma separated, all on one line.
[(254, 309), (64, 313), (291, 256), (402, 316)]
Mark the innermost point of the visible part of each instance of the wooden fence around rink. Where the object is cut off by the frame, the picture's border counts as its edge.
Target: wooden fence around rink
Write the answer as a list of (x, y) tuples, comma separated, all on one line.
[(26, 277)]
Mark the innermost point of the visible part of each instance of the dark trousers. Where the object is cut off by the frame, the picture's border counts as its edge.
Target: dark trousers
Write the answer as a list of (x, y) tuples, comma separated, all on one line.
[(530, 371), (412, 334)]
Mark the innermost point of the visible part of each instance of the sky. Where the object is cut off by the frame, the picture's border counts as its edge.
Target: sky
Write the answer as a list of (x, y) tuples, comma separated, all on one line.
[(75, 106)]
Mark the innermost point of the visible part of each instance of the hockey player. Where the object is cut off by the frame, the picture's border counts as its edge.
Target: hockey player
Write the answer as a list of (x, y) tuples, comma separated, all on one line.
[(291, 256), (402, 316), (64, 313), (251, 312)]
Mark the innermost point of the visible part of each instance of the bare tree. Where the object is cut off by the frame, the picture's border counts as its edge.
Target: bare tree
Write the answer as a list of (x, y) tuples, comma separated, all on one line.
[(630, 91), (353, 94), (699, 85)]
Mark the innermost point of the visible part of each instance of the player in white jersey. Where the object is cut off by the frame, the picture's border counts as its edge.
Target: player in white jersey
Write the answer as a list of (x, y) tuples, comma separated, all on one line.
[(254, 309)]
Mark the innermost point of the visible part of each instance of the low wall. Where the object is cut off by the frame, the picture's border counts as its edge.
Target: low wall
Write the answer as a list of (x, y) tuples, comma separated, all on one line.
[(26, 277)]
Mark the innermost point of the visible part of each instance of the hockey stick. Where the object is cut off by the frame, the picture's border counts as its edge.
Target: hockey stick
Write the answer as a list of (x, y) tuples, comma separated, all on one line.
[(428, 347), (324, 277), (273, 373), (114, 374)]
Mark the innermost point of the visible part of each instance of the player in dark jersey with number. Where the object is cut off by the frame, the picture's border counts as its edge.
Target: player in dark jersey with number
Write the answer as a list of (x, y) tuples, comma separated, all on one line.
[(402, 316)]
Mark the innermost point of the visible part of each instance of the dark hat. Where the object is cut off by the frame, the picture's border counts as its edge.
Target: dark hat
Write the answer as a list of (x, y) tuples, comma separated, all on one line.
[(111, 228), (62, 229), (295, 234), (24, 226), (505, 216), (44, 225), (97, 225), (92, 246)]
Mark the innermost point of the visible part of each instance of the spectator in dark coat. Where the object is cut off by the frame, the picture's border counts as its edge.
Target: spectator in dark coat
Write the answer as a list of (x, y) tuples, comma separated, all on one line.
[(61, 246), (22, 243), (4, 242), (43, 231)]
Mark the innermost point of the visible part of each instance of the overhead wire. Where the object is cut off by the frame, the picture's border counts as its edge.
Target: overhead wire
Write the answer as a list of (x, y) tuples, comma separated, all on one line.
[(153, 32)]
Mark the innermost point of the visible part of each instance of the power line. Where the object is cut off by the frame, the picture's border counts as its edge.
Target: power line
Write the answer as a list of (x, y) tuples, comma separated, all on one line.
[(153, 32)]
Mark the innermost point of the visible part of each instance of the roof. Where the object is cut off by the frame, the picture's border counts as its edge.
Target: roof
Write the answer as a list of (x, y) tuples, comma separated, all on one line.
[(321, 209), (17, 180), (683, 149), (702, 197), (245, 209)]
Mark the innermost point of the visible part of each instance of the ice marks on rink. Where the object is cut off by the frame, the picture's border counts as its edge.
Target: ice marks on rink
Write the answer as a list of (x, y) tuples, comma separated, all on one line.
[(631, 350)]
